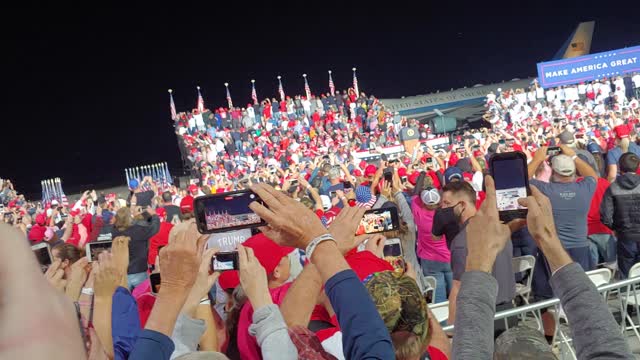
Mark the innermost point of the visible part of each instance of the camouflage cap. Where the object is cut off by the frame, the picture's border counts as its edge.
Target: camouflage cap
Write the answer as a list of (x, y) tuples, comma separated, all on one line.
[(399, 302)]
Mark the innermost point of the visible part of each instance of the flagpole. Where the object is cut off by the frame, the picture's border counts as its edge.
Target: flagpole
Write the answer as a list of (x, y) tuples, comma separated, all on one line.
[(355, 83), (280, 88), (332, 87), (172, 106), (254, 94), (226, 85), (307, 89)]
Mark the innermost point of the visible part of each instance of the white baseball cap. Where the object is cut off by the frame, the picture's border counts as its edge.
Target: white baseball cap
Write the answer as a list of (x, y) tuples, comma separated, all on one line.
[(430, 196)]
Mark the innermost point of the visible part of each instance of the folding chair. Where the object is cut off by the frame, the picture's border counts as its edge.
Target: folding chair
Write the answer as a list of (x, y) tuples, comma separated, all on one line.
[(630, 297), (429, 284), (525, 264), (440, 311), (598, 277)]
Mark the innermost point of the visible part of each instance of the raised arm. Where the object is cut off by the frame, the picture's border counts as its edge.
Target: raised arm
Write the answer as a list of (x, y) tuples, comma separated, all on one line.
[(538, 158), (292, 224), (595, 332)]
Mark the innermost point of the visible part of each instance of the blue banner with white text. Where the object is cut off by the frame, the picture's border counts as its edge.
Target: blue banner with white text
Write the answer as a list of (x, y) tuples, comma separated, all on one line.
[(589, 67)]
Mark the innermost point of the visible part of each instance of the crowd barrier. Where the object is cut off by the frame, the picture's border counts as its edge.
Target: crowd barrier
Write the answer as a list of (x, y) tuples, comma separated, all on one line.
[(625, 291)]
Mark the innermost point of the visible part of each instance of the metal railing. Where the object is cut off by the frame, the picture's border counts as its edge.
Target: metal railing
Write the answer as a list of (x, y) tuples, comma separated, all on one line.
[(555, 301)]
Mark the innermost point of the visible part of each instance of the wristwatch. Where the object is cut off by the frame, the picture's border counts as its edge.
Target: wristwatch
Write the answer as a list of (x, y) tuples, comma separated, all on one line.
[(87, 291)]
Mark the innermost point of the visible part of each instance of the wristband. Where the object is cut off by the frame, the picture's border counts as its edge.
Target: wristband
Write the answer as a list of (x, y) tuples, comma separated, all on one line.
[(87, 291), (574, 157), (315, 242), (205, 301)]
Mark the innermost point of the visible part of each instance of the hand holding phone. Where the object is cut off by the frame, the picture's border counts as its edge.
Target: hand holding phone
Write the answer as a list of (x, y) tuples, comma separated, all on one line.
[(224, 261), (94, 249), (378, 220), (509, 171), (227, 211)]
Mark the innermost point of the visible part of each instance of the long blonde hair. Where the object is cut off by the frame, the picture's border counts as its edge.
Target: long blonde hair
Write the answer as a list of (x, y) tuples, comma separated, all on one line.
[(624, 145), (123, 219)]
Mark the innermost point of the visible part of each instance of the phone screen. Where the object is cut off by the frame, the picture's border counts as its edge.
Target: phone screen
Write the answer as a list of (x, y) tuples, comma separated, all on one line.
[(44, 257), (221, 212), (553, 151), (510, 177), (392, 248), (225, 261), (156, 282), (95, 248), (378, 220)]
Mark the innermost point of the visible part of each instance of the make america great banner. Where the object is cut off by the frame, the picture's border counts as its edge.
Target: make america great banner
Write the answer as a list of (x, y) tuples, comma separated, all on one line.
[(589, 67)]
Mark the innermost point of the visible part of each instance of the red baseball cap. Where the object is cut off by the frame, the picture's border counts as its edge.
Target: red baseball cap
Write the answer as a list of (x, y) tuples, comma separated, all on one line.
[(41, 219), (186, 204), (229, 279), (370, 170), (193, 188), (402, 172), (266, 251), (413, 178), (365, 263)]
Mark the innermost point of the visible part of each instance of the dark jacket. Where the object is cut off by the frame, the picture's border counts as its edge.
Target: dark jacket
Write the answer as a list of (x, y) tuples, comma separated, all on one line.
[(620, 209), (139, 232)]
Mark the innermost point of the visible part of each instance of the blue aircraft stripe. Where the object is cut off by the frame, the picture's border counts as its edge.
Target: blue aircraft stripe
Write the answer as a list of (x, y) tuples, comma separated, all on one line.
[(442, 106)]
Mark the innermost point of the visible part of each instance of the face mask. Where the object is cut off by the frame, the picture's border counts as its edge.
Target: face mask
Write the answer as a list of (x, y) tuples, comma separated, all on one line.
[(445, 216)]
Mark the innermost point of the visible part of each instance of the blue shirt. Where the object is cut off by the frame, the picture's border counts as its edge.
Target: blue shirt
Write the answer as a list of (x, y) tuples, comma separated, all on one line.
[(125, 323), (152, 345), (613, 156), (364, 334), (571, 203)]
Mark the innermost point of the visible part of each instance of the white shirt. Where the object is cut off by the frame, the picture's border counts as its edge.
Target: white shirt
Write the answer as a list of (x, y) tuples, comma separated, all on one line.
[(199, 120), (582, 89), (636, 80), (551, 95), (251, 112), (192, 122), (539, 93), (219, 146)]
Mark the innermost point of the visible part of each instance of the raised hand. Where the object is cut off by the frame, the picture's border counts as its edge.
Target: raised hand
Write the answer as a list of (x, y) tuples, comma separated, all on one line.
[(486, 234), (107, 276), (290, 222), (253, 278), (204, 280), (120, 251), (344, 228), (55, 276), (77, 278)]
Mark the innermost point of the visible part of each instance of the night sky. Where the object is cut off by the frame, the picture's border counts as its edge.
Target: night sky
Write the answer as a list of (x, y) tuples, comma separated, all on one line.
[(84, 90)]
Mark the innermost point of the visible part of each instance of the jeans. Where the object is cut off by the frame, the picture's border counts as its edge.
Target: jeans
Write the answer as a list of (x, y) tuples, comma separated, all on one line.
[(628, 255), (443, 274), (136, 279), (603, 248)]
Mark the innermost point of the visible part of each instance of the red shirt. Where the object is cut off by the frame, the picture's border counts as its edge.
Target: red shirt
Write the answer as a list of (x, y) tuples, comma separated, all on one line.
[(594, 225), (161, 238)]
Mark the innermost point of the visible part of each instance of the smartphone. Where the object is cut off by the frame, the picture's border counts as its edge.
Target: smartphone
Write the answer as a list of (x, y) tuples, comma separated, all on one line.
[(227, 211), (553, 150), (155, 281), (43, 254), (501, 142), (580, 136), (429, 160), (332, 194), (294, 182), (403, 179), (392, 247), (509, 171), (378, 220), (224, 261), (388, 175), (94, 249), (347, 185)]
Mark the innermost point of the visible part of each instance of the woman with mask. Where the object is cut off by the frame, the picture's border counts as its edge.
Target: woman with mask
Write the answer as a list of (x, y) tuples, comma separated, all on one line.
[(433, 252)]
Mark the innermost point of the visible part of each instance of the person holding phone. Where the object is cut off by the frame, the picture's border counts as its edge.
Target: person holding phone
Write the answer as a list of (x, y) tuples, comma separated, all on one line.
[(461, 198), (571, 202)]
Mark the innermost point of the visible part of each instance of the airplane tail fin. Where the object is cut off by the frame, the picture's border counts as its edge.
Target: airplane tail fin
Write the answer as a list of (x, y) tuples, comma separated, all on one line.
[(579, 43)]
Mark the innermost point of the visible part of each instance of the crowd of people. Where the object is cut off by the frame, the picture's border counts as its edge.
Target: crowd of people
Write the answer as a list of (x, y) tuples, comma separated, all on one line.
[(309, 288)]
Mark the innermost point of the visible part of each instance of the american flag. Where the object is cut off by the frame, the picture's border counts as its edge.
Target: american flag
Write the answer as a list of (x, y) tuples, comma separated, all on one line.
[(172, 106), (254, 94), (355, 83), (280, 88), (332, 87), (200, 104), (307, 89), (228, 96)]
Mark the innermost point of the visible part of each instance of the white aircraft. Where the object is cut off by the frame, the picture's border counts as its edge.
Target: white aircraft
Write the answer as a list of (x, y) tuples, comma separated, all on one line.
[(461, 106)]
